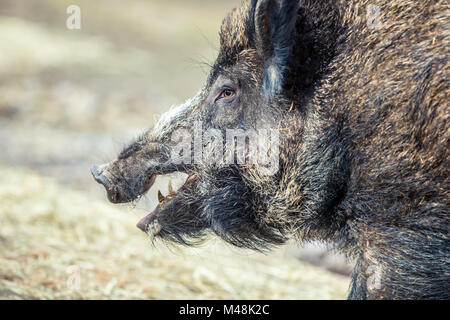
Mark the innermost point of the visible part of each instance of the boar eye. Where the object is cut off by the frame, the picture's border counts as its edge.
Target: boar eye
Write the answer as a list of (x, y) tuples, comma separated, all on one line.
[(226, 93)]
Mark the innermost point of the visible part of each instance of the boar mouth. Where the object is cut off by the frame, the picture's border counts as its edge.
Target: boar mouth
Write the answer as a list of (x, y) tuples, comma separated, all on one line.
[(149, 224)]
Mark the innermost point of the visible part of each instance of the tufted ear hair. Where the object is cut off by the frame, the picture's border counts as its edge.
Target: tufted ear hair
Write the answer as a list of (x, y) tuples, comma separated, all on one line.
[(274, 23)]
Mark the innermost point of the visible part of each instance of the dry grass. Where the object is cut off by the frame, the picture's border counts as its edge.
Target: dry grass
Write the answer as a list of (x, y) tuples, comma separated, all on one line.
[(50, 234)]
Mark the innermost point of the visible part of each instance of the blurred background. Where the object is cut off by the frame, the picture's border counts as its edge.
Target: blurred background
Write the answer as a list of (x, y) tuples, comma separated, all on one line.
[(73, 97)]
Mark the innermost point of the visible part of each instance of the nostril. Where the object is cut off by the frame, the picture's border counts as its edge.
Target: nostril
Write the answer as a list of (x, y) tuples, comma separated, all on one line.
[(112, 193), (97, 173)]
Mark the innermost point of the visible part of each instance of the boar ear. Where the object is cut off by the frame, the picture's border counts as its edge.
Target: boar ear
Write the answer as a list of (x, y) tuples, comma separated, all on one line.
[(275, 36)]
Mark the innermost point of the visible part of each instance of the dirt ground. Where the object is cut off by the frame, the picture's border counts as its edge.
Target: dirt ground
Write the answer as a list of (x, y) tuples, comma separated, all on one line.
[(71, 98)]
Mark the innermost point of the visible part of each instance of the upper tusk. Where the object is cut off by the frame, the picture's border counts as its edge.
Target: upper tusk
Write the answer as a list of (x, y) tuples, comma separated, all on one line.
[(161, 198)]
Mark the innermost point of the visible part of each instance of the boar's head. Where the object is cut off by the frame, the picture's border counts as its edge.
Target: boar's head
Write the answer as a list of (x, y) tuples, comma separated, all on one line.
[(249, 90)]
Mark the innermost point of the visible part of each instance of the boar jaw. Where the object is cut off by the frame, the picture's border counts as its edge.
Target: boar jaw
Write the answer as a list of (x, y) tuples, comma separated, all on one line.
[(149, 224)]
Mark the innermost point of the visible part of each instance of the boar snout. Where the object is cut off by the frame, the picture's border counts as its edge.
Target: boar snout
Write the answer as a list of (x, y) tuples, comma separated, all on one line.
[(134, 171), (98, 172)]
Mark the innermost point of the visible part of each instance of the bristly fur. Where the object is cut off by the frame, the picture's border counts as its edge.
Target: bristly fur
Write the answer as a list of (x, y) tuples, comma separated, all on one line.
[(363, 112)]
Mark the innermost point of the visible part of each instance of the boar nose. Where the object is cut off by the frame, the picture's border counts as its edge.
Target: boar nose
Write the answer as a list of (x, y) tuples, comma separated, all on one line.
[(97, 173), (99, 176)]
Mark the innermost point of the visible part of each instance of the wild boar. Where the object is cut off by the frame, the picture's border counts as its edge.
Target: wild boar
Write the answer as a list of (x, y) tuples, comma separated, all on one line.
[(352, 98)]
